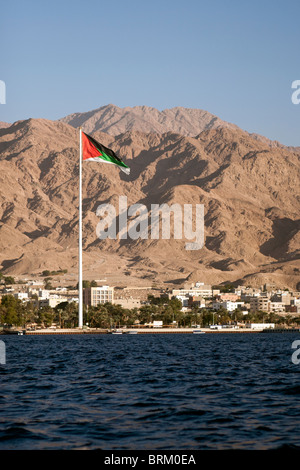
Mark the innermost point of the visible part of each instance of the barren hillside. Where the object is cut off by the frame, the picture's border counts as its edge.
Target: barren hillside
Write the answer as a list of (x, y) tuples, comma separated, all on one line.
[(249, 191)]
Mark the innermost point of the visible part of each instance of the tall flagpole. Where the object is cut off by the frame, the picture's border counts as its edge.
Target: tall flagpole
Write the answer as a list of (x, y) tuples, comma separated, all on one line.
[(80, 304)]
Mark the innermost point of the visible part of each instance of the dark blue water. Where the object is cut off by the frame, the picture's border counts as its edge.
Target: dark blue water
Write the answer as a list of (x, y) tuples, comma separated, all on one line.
[(151, 392)]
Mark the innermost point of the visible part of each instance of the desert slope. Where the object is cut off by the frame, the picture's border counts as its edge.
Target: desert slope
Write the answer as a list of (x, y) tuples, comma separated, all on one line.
[(248, 189)]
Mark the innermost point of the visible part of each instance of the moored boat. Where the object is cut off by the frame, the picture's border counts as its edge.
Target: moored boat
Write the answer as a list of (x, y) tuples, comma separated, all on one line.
[(13, 331)]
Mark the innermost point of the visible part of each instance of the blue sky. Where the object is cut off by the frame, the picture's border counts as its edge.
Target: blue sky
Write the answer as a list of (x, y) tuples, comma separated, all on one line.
[(235, 59)]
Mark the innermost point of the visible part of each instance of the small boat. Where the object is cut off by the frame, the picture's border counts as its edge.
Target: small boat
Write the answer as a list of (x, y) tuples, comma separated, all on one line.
[(198, 332), (13, 331), (131, 332)]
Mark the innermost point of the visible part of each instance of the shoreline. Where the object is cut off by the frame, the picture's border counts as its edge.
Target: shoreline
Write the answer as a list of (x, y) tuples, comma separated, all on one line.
[(128, 331)]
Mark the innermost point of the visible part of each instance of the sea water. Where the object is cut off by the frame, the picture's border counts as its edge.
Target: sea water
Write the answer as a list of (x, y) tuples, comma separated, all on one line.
[(150, 392)]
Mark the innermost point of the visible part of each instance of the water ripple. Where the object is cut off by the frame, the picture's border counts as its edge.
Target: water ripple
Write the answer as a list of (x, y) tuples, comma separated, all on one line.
[(150, 392)]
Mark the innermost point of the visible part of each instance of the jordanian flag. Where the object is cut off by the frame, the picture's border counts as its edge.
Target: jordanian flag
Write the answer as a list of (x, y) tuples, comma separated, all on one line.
[(94, 151)]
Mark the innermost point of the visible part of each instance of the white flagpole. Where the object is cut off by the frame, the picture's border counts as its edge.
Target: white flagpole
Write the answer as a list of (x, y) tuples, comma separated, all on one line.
[(80, 304)]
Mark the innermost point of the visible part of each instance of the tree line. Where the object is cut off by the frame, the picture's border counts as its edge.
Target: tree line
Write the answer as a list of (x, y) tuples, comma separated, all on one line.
[(65, 315)]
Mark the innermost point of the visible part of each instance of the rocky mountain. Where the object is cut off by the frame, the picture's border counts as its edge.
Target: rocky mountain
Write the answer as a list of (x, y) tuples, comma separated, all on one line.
[(114, 120), (249, 190), (4, 124)]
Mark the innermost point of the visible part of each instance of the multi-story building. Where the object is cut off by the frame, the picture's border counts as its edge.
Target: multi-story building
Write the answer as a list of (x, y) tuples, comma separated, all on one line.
[(259, 303), (201, 290), (94, 296), (266, 305)]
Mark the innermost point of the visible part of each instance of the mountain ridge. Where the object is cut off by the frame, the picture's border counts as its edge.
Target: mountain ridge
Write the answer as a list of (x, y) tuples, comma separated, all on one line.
[(247, 187), (114, 120)]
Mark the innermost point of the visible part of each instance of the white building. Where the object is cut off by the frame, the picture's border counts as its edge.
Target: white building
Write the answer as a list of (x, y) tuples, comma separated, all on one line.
[(43, 294), (21, 295), (277, 307), (228, 305), (184, 299)]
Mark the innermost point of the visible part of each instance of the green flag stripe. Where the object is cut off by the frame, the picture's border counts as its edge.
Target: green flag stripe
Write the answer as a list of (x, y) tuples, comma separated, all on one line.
[(110, 158)]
